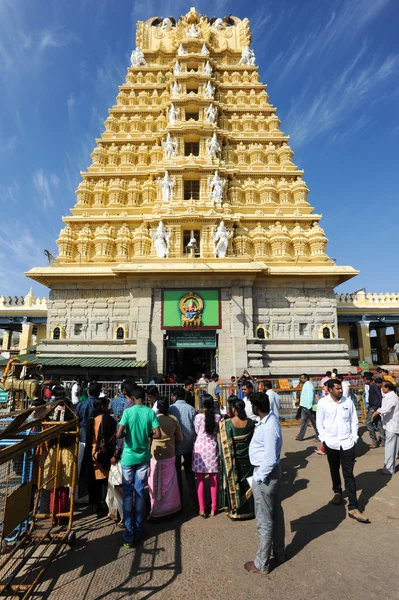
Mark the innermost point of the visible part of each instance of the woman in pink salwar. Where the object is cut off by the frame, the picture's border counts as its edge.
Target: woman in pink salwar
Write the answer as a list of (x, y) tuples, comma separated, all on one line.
[(162, 479), (206, 454)]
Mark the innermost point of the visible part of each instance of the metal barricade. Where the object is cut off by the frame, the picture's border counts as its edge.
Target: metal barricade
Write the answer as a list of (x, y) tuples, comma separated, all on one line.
[(37, 486)]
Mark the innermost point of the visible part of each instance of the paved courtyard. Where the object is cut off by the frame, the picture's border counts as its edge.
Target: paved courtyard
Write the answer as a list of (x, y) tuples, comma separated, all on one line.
[(328, 555)]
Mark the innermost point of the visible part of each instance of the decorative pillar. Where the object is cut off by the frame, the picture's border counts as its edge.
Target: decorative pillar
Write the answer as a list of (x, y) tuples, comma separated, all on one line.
[(6, 340), (382, 346), (26, 336), (363, 331)]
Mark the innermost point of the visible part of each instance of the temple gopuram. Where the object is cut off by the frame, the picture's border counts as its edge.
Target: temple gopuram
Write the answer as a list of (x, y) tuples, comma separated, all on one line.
[(192, 245)]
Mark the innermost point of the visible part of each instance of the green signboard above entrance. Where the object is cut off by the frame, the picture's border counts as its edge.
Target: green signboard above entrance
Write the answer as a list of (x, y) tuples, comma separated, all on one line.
[(192, 339), (191, 309)]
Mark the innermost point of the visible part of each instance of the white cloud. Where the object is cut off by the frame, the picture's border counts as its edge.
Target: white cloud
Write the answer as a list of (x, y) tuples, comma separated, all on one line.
[(70, 104), (339, 98), (9, 144), (322, 38), (9, 192), (45, 186)]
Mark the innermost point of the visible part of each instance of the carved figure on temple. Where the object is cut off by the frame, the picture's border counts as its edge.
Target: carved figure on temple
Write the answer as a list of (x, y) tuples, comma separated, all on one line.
[(208, 68), (213, 146), (193, 32), (177, 68), (169, 147), (166, 24), (137, 57), (161, 239), (211, 114), (173, 114), (247, 57), (216, 186), (181, 51), (175, 90), (167, 184), (204, 50), (218, 24), (221, 241), (209, 90)]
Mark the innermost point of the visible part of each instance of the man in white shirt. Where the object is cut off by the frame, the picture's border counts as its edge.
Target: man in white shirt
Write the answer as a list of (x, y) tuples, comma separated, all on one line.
[(337, 425), (75, 393), (203, 380), (247, 390), (345, 386), (389, 412), (274, 398), (396, 348)]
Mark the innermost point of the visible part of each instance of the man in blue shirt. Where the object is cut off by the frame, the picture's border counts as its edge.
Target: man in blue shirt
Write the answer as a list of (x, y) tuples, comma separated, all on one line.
[(264, 454), (306, 402), (84, 409), (184, 450), (118, 403)]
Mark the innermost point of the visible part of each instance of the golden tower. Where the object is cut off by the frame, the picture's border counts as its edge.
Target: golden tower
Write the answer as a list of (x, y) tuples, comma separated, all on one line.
[(192, 186)]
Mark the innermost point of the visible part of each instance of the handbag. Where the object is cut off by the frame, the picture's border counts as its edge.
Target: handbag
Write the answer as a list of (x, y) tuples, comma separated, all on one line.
[(104, 448)]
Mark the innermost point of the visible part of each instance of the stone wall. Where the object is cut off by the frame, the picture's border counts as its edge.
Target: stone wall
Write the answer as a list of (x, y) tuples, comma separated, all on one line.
[(292, 314)]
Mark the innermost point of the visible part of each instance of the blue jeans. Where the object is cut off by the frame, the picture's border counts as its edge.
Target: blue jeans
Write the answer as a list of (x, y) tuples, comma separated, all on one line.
[(134, 480)]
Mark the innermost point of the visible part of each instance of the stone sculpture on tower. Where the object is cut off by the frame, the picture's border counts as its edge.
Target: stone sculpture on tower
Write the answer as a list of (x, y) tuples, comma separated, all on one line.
[(137, 58), (169, 147), (221, 241), (161, 239), (213, 146), (166, 184), (216, 186)]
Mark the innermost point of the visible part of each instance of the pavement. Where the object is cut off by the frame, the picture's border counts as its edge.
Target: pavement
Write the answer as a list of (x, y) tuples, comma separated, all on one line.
[(329, 556)]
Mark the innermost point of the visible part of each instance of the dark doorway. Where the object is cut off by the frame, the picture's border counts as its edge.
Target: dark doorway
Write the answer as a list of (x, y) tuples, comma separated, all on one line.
[(190, 361)]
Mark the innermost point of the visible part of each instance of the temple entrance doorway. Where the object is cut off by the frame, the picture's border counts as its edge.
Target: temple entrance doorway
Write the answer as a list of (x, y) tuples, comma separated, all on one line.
[(190, 353)]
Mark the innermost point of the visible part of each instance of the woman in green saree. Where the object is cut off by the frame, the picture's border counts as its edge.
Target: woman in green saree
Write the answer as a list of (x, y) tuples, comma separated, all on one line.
[(235, 436)]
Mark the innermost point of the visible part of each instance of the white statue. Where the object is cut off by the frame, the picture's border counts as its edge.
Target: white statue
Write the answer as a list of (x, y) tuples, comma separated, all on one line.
[(221, 241), (137, 57), (175, 90), (204, 50), (211, 114), (181, 51), (161, 239), (208, 68), (169, 147), (166, 24), (177, 68), (193, 31), (209, 90), (213, 146), (167, 184), (247, 57), (218, 24), (173, 114), (216, 187)]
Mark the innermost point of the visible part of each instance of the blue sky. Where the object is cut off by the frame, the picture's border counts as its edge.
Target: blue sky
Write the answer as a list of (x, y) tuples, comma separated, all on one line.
[(332, 71)]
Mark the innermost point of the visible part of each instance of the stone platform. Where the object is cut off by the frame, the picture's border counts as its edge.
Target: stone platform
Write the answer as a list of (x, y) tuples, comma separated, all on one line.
[(329, 556)]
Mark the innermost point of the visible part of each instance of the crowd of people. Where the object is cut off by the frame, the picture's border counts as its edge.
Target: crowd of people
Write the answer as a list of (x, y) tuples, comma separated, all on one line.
[(142, 439)]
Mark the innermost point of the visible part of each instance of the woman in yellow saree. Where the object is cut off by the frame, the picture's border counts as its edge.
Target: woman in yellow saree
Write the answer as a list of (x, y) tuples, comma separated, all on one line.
[(235, 490)]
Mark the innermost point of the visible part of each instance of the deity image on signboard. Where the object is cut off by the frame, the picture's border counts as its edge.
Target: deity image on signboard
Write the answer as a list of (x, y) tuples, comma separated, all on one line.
[(191, 307)]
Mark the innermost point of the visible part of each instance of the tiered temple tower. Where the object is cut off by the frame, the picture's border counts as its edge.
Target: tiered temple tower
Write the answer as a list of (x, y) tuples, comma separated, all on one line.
[(192, 196)]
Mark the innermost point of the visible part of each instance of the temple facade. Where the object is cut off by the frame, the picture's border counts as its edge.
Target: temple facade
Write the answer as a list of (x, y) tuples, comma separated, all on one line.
[(192, 245)]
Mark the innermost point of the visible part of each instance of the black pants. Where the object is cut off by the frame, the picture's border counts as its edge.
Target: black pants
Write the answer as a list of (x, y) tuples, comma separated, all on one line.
[(189, 475), (345, 459), (99, 493)]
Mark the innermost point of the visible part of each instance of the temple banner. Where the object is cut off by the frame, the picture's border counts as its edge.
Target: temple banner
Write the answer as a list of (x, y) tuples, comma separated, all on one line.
[(191, 309)]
